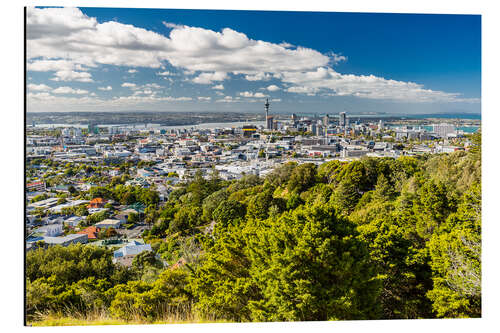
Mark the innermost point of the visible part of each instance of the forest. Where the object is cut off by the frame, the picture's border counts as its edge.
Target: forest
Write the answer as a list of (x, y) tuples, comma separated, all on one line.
[(375, 238)]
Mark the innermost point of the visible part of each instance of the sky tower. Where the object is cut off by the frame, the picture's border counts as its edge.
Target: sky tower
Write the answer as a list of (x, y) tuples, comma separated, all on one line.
[(269, 119)]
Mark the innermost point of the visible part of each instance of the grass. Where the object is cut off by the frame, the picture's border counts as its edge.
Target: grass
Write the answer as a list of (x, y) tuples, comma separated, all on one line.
[(71, 318), (71, 321)]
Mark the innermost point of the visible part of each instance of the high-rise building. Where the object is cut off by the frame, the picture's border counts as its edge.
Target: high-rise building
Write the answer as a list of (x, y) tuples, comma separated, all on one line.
[(342, 119), (269, 122), (313, 129), (380, 125), (294, 117), (326, 120), (444, 129)]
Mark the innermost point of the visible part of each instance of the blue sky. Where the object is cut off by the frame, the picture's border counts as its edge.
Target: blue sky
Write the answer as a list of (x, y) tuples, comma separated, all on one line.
[(108, 59)]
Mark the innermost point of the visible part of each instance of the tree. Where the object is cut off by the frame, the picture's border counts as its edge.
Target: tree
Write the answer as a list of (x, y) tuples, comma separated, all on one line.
[(229, 211), (146, 258), (309, 265), (222, 284), (133, 218), (432, 207), (151, 214), (302, 178), (345, 197), (185, 219), (211, 202), (456, 261), (280, 175), (404, 275)]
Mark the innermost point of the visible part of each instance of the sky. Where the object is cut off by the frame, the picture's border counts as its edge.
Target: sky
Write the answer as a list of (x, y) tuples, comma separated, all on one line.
[(109, 59)]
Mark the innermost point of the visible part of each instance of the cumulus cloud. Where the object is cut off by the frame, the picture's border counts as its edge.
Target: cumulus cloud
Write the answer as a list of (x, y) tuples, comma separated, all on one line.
[(218, 87), (67, 42), (108, 88), (227, 99), (69, 34), (61, 102), (202, 98), (38, 87), (132, 71), (365, 86), (128, 85), (53, 65), (171, 25), (259, 77), (273, 87), (252, 95), (208, 78), (165, 73), (285, 44), (72, 76), (69, 90)]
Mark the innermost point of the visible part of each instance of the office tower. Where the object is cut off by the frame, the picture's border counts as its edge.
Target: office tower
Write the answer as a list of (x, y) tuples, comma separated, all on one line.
[(444, 129), (342, 119)]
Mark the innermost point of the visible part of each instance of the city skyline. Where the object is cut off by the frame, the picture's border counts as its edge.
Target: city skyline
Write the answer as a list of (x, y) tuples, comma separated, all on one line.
[(108, 59)]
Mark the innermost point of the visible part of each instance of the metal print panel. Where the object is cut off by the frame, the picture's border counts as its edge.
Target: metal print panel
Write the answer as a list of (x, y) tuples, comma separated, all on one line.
[(246, 166)]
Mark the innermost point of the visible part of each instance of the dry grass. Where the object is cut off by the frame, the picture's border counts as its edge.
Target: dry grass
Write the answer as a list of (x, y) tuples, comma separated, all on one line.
[(102, 317)]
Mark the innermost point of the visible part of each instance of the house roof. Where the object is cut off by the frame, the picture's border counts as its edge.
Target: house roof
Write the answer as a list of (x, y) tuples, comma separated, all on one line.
[(97, 200), (108, 222), (131, 249)]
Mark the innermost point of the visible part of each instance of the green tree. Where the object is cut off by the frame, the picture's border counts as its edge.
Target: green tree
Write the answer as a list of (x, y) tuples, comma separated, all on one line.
[(302, 178), (229, 211), (456, 261), (310, 266)]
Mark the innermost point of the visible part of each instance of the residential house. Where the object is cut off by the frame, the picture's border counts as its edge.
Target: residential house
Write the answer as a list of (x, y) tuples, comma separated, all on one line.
[(126, 254), (91, 232), (96, 203), (108, 223)]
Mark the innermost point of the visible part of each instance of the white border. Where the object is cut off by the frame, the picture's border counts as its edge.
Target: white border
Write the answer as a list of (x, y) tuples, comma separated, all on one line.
[(12, 160)]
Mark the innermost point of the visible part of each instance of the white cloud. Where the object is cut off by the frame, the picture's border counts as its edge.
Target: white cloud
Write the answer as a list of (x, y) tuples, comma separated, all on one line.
[(259, 77), (69, 90), (276, 100), (252, 95), (336, 58), (218, 87), (128, 85), (208, 78), (227, 99), (72, 76), (39, 96), (173, 25), (365, 86), (285, 44), (273, 87), (38, 87), (202, 98), (132, 71), (53, 65), (152, 85), (69, 34), (67, 42), (165, 73), (108, 88)]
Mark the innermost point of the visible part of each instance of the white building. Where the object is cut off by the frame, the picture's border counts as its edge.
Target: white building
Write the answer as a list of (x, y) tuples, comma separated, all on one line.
[(444, 129)]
